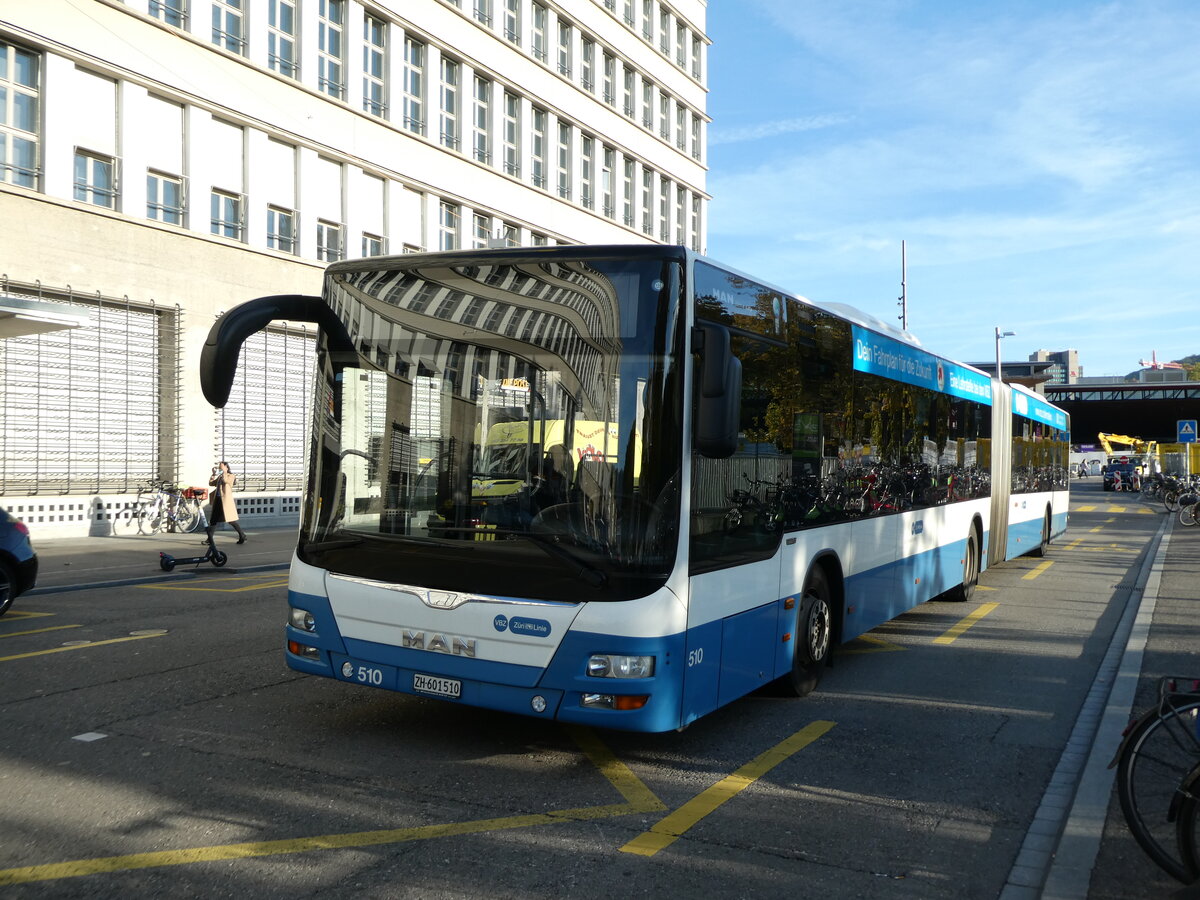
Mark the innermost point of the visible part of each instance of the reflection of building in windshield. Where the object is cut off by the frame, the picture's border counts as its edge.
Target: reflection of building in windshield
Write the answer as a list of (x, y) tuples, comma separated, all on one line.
[(463, 351)]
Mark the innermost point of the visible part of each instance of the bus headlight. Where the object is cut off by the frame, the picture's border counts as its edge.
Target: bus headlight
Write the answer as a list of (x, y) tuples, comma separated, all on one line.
[(611, 665), (302, 619)]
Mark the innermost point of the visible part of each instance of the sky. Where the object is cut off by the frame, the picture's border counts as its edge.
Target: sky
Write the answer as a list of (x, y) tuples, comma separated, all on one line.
[(1040, 160)]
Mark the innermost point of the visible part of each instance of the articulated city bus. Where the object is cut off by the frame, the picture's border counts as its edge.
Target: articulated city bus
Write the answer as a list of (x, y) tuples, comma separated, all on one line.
[(764, 478)]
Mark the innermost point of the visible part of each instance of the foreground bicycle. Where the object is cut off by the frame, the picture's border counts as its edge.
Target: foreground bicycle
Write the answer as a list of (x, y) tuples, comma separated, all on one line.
[(1158, 776)]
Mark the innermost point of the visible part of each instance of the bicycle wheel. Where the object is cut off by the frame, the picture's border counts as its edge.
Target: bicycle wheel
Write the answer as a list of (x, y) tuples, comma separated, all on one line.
[(150, 519), (1170, 500), (1187, 823), (1157, 753), (1187, 514), (187, 516)]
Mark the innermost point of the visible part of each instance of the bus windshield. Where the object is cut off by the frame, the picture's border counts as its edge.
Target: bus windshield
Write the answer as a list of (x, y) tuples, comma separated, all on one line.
[(511, 427)]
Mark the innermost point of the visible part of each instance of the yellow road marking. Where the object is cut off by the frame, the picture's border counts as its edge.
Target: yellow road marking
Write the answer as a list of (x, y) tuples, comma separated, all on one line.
[(207, 584), (1037, 570), (881, 646), (26, 614), (954, 633), (38, 630), (640, 800), (87, 646), (671, 828), (1116, 509), (1085, 509), (984, 587), (619, 775)]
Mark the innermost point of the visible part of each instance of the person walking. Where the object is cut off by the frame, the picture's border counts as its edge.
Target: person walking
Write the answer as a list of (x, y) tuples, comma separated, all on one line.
[(223, 507)]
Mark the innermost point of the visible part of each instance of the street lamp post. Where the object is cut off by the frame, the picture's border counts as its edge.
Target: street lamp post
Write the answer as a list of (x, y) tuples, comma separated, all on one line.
[(1000, 335)]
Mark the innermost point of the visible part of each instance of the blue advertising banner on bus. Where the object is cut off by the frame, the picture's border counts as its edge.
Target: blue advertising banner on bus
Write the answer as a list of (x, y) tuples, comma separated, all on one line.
[(894, 359), (1039, 411)]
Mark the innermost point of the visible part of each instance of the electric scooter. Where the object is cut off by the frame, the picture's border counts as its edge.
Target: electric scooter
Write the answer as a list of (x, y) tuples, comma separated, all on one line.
[(217, 557)]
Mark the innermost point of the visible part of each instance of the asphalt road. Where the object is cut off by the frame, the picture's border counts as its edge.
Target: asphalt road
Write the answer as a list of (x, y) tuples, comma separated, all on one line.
[(154, 743)]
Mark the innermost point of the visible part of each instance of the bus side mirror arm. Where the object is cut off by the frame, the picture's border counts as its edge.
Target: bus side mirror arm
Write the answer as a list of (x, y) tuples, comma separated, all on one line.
[(718, 392), (219, 356)]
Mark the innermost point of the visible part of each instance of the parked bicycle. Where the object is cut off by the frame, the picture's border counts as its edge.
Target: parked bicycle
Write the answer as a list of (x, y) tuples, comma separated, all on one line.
[(161, 505), (1158, 778)]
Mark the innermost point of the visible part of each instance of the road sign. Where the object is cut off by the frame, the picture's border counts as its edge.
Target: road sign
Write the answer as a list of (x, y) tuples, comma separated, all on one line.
[(1187, 430)]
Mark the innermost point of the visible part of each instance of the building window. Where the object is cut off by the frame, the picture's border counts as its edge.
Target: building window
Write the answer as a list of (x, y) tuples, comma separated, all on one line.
[(329, 48), (695, 136), (587, 163), (512, 21), (482, 232), (170, 11), (664, 209), (664, 116), (606, 182), (540, 52), (19, 97), (610, 79), (483, 12), (647, 104), (164, 198), (696, 56), (564, 160), (648, 21), (538, 240), (681, 44), (681, 130), (587, 61), (627, 90), (372, 245), (281, 229), (664, 31), (647, 201), (449, 124), (537, 151), (627, 193), (414, 86), (629, 19), (281, 37), (512, 134), (696, 222), (228, 29), (225, 214), (95, 179), (680, 206), (374, 66), (482, 143), (565, 37), (511, 235), (329, 241), (448, 227)]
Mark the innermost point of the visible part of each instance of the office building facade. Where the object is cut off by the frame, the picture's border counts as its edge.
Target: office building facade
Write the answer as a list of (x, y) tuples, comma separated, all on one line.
[(162, 161)]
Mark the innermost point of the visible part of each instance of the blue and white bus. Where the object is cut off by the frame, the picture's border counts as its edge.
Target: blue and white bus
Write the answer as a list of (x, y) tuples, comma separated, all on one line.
[(702, 484)]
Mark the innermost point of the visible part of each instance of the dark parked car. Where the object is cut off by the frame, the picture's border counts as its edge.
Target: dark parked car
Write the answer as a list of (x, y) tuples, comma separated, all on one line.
[(1126, 469), (18, 562)]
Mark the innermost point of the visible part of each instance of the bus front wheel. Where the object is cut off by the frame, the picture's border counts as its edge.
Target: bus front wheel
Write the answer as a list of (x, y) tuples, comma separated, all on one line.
[(814, 636)]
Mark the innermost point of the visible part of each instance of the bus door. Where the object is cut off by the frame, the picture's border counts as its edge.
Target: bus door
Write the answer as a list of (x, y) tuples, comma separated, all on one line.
[(1001, 471)]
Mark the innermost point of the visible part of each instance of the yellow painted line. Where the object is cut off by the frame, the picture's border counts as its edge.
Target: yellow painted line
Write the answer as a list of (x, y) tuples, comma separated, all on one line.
[(1116, 509), (984, 587), (670, 829), (38, 630), (26, 614), (619, 775), (954, 633), (206, 585), (87, 646), (1085, 509), (1037, 570), (880, 646)]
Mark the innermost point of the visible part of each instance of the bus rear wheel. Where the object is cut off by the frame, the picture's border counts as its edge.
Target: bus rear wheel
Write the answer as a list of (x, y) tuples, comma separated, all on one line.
[(966, 590), (813, 638), (1044, 547)]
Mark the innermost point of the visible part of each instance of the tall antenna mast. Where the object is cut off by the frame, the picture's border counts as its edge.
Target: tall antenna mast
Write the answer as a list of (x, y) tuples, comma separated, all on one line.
[(903, 288)]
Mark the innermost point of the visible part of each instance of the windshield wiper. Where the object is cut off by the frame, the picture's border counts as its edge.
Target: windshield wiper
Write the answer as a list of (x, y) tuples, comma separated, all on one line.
[(546, 542)]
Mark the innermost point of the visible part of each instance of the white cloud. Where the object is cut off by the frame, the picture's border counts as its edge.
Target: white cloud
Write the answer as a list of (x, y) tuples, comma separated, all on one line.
[(771, 129)]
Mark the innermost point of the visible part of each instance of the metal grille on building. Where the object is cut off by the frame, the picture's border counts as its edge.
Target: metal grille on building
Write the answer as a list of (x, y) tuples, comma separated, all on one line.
[(81, 410), (263, 430)]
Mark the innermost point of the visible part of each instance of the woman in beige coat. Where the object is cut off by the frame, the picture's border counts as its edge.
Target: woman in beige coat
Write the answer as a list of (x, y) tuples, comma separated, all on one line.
[(223, 507)]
